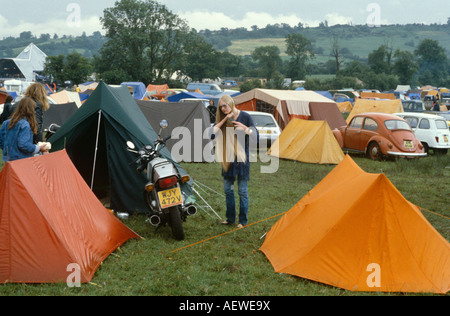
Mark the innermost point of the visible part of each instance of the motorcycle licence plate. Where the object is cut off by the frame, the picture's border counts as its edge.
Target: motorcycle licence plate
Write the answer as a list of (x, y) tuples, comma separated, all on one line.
[(169, 198)]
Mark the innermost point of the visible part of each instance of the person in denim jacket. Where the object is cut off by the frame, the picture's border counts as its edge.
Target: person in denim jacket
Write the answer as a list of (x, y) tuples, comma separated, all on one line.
[(16, 134)]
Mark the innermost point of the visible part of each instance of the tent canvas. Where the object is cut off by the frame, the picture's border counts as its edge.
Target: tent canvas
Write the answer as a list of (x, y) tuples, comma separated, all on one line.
[(58, 114), (187, 95), (190, 146), (307, 141), (379, 106), (65, 96), (342, 239), (49, 219), (95, 138), (287, 104), (139, 91)]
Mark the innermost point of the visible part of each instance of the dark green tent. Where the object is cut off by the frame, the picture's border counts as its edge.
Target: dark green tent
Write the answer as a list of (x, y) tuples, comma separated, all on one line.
[(95, 139)]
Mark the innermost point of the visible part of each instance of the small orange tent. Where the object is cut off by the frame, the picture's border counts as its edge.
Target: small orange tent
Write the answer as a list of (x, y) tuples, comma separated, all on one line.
[(307, 141), (370, 240), (50, 220)]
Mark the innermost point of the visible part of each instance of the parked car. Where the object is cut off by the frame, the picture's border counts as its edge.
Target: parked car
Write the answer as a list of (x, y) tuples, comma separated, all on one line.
[(267, 127), (206, 88), (379, 134), (446, 116), (431, 130), (413, 106)]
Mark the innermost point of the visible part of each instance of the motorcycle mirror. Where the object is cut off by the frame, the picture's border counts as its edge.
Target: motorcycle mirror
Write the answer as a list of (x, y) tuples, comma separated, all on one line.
[(163, 124), (130, 145)]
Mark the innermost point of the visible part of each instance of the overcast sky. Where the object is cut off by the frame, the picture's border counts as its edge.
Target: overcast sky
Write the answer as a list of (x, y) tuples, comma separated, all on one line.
[(71, 17)]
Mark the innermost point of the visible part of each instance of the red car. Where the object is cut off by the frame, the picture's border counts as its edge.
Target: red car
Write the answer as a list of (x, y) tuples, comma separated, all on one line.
[(378, 134)]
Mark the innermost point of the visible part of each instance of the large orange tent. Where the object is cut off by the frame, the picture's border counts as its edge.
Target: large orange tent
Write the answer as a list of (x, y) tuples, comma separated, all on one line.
[(370, 240), (51, 220)]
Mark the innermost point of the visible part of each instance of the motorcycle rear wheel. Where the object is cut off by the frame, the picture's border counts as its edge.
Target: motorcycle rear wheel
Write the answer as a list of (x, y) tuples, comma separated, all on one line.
[(175, 222)]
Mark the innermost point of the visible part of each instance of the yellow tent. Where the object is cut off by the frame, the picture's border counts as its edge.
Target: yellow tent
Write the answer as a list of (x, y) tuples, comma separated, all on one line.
[(380, 106), (307, 141), (345, 107), (371, 240)]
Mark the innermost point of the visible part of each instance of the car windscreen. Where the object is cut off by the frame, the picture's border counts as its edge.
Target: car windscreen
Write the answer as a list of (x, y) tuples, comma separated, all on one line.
[(396, 124), (263, 121)]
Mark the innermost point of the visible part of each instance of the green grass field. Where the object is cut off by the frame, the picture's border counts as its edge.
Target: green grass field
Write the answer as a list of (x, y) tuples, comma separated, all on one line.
[(231, 264)]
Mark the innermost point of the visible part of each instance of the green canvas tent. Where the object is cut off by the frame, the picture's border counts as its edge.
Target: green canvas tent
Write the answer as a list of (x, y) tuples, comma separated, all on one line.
[(95, 139)]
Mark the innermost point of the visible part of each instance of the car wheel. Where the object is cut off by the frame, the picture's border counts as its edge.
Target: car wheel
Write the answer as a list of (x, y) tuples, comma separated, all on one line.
[(374, 151)]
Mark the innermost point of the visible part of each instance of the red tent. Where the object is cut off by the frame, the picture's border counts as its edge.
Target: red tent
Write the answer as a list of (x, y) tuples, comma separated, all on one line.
[(50, 220)]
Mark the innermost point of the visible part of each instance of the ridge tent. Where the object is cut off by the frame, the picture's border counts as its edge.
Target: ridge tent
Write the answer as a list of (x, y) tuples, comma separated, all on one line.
[(65, 96), (50, 220), (380, 106), (192, 117), (95, 139), (371, 240), (377, 95), (307, 141), (287, 104)]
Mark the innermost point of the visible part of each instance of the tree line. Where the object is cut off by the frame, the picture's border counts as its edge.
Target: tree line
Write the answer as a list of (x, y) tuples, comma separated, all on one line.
[(146, 42)]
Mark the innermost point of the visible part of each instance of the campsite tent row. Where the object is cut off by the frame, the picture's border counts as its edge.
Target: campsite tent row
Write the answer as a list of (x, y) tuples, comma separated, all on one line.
[(287, 104)]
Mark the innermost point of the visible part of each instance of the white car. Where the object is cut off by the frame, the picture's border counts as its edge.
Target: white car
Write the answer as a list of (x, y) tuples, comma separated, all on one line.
[(267, 127), (431, 130)]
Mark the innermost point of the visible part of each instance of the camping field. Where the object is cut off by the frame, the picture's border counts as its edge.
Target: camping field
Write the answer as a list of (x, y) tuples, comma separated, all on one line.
[(231, 264)]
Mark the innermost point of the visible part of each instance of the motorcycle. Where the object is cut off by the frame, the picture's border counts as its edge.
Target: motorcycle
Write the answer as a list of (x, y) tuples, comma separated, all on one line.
[(52, 129), (162, 194)]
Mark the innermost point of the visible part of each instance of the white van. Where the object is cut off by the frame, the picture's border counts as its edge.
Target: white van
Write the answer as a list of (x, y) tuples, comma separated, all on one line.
[(431, 130), (206, 88)]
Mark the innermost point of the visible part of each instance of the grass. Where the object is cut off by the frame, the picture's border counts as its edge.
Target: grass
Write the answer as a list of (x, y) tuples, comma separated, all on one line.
[(232, 265)]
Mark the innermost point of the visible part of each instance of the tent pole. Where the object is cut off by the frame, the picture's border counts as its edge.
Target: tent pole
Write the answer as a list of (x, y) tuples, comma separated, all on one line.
[(96, 148)]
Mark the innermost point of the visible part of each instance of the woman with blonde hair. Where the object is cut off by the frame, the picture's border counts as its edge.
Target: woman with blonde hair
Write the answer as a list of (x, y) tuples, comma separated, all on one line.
[(233, 131), (38, 93), (16, 134)]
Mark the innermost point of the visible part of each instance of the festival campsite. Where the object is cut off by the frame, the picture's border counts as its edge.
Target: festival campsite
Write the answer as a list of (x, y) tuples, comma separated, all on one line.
[(323, 216)]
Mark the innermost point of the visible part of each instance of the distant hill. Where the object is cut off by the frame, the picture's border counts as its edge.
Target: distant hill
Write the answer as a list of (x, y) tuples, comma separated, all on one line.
[(356, 42), (87, 46)]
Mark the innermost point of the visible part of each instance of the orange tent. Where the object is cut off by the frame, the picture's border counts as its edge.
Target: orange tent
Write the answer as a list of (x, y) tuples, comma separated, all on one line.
[(50, 220), (370, 240)]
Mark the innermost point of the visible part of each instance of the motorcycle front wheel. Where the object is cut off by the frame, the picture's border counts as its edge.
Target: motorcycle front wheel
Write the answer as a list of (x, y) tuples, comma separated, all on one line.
[(176, 223)]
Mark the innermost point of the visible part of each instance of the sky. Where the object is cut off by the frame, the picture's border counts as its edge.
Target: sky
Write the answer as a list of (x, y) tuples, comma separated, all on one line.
[(73, 17)]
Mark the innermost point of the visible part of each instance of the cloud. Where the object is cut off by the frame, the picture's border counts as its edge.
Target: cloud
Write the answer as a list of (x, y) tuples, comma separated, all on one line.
[(89, 24), (201, 20)]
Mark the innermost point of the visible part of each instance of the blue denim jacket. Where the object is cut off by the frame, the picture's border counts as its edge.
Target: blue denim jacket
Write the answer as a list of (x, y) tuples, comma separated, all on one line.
[(17, 142)]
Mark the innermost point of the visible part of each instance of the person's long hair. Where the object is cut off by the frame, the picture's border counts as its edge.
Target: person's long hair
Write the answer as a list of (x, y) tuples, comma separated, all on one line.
[(25, 110), (227, 147), (37, 92)]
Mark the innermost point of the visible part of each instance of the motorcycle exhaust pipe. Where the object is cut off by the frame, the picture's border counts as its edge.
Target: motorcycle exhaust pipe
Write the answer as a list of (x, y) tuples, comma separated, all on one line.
[(155, 220), (191, 210)]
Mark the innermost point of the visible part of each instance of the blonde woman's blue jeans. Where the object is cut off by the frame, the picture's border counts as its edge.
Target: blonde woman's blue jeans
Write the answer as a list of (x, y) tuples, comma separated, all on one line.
[(228, 186)]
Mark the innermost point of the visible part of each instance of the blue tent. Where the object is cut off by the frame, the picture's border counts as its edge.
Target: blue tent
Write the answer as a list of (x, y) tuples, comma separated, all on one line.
[(187, 95), (139, 89), (326, 94)]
